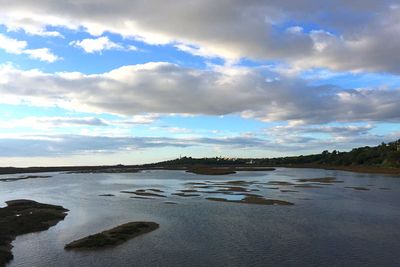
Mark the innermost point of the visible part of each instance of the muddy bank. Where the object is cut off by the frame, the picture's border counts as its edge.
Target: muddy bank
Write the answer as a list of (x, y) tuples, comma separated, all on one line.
[(24, 178), (23, 217), (114, 236), (359, 188), (254, 169), (142, 193), (323, 180), (225, 170), (212, 171)]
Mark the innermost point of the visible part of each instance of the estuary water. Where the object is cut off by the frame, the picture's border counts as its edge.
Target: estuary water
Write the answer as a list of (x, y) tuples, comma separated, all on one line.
[(354, 221)]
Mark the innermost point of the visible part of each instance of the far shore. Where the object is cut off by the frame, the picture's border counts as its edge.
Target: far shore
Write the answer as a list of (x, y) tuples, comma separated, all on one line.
[(358, 169), (232, 169)]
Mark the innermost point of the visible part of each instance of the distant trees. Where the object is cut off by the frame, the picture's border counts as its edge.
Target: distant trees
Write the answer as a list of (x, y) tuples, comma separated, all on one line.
[(383, 155)]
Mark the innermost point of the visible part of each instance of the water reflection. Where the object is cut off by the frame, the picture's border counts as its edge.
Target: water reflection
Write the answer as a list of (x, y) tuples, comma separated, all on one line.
[(327, 225)]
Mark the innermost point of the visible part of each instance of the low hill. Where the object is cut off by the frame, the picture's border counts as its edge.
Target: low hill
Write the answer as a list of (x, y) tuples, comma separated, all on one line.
[(382, 156)]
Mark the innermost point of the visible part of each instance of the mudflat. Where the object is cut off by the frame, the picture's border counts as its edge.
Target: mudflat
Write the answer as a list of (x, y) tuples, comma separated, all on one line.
[(23, 217), (114, 236)]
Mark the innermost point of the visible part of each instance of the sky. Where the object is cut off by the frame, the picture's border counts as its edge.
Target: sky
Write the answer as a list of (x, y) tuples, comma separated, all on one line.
[(91, 82)]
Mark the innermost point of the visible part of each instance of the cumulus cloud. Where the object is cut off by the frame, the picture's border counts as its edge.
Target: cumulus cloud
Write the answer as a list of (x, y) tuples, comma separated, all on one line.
[(97, 45), (357, 36), (14, 46), (43, 54), (11, 45), (163, 88)]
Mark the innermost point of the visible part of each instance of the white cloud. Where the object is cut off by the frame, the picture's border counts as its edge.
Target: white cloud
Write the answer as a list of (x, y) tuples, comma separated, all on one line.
[(360, 36), (195, 50), (96, 45), (14, 46), (100, 44), (164, 88), (43, 54), (29, 25), (131, 48), (138, 119)]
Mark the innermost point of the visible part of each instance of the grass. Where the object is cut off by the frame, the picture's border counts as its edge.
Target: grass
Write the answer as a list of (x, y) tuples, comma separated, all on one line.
[(142, 194), (114, 236), (324, 180), (23, 217), (360, 188), (212, 171)]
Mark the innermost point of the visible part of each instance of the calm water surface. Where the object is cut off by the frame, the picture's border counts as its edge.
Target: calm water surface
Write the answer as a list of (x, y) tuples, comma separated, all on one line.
[(328, 226)]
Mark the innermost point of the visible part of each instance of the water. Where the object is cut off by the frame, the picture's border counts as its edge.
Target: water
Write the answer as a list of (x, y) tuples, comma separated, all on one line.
[(328, 226)]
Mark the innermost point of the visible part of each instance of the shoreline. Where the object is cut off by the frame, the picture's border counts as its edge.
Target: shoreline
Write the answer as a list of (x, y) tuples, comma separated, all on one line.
[(138, 168), (23, 216), (356, 169)]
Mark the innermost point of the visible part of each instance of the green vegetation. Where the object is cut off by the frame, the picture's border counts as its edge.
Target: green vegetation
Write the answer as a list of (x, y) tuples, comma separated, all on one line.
[(323, 180), (211, 171), (143, 193), (113, 237), (23, 217), (185, 195), (360, 188), (279, 183), (382, 158)]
